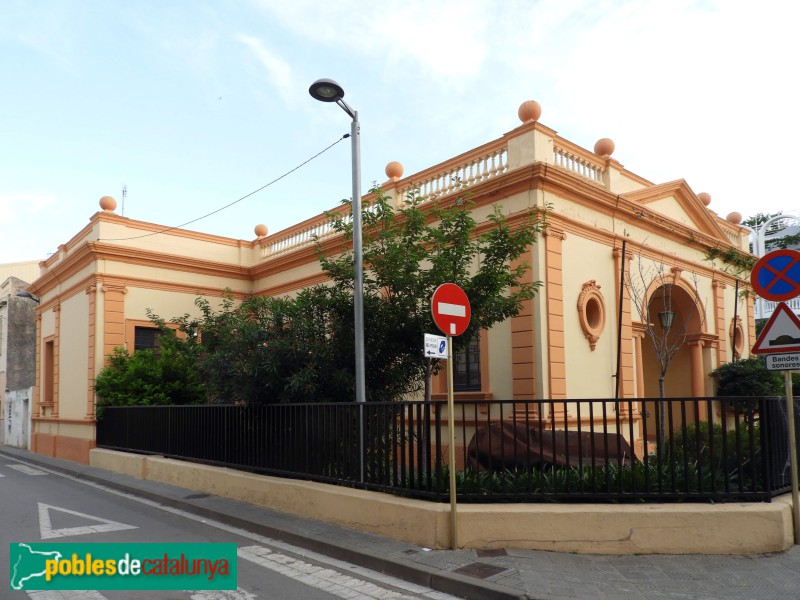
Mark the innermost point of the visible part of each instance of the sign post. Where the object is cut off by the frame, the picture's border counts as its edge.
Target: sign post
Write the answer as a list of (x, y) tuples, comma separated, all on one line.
[(787, 381), (776, 277), (451, 313)]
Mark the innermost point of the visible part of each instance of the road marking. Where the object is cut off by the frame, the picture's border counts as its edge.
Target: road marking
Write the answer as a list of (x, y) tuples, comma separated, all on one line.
[(239, 594), (47, 532), (413, 588), (27, 470), (66, 595), (328, 580)]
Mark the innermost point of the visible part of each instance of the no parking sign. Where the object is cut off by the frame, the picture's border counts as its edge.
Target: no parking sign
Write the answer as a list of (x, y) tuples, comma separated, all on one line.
[(776, 276)]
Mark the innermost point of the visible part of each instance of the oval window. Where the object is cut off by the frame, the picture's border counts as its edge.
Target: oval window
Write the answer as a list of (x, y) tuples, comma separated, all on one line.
[(591, 312)]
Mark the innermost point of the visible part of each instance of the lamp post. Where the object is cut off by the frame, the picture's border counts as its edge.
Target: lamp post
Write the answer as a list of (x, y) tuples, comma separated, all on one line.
[(327, 90)]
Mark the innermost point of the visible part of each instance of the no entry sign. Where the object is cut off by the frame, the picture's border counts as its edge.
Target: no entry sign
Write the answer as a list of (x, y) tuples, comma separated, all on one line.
[(450, 309), (776, 276)]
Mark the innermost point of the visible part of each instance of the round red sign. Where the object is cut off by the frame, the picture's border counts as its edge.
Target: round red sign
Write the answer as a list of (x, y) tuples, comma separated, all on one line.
[(776, 276), (450, 309)]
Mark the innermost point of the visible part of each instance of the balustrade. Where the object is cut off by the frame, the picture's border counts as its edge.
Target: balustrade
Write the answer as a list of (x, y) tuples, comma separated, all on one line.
[(572, 161)]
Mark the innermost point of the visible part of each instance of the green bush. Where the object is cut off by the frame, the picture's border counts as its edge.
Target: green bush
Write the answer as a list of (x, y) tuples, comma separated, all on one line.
[(691, 462), (145, 379), (747, 377), (709, 457)]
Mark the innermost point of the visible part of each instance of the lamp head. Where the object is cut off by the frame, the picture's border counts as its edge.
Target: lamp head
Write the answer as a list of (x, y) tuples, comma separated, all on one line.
[(27, 294), (326, 90), (666, 318)]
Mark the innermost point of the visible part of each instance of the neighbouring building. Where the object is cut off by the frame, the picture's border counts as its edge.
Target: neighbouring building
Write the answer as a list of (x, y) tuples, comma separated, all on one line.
[(775, 233), (17, 356), (620, 253)]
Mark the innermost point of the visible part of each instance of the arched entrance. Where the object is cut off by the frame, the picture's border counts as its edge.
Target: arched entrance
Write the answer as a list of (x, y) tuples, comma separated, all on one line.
[(672, 343)]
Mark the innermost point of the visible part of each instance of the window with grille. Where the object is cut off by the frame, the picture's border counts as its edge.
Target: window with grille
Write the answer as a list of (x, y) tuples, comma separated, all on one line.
[(147, 338)]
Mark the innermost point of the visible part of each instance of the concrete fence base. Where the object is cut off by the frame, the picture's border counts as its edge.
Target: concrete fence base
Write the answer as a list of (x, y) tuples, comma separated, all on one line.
[(688, 528)]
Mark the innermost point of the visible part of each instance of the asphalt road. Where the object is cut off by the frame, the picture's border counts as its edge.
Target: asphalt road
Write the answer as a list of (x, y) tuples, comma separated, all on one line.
[(37, 504)]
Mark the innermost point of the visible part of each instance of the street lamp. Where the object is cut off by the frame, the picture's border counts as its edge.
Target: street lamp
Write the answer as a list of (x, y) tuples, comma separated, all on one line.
[(29, 296), (327, 90)]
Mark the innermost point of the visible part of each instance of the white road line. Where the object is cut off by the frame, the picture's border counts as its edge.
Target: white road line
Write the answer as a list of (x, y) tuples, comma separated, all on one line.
[(27, 470), (239, 594), (66, 595), (328, 580), (103, 525), (407, 586)]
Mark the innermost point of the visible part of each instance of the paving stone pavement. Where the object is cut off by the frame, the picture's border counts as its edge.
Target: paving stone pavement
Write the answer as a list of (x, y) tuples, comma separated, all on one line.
[(477, 574)]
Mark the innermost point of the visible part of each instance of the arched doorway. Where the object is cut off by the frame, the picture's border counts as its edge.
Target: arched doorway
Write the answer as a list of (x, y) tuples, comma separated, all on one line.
[(672, 345)]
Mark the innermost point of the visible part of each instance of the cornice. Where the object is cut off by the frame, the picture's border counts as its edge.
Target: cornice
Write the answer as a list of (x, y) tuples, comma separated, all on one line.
[(70, 264), (686, 199), (150, 258), (154, 228), (119, 281)]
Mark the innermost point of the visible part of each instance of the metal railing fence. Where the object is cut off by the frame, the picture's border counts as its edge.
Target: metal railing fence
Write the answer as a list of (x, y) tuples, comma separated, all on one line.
[(531, 451)]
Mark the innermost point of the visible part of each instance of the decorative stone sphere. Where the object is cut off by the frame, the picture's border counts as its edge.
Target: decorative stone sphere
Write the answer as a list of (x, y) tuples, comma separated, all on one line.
[(530, 110), (108, 204), (260, 230), (604, 147), (394, 170), (705, 198), (734, 218)]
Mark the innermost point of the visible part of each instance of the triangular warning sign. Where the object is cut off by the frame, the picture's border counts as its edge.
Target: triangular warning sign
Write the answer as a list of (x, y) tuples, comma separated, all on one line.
[(780, 334), (99, 525)]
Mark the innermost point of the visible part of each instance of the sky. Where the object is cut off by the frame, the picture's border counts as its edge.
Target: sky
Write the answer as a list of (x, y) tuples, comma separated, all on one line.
[(192, 105)]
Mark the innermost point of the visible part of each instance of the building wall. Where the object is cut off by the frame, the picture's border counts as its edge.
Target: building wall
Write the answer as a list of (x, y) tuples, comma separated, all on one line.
[(17, 418), (20, 338), (17, 356), (25, 270), (73, 359), (589, 260)]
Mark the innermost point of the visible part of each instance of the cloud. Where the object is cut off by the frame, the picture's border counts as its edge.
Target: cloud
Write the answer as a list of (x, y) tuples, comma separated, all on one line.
[(445, 40), (279, 72), (48, 30), (24, 204)]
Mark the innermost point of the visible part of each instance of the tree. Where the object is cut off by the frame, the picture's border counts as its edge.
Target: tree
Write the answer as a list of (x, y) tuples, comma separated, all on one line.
[(668, 316), (271, 350), (409, 251)]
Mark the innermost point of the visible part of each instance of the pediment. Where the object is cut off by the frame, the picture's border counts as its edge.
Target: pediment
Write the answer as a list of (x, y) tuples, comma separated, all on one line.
[(677, 201)]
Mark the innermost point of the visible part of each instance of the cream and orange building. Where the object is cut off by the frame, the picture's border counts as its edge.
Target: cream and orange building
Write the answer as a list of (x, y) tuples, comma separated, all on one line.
[(96, 289)]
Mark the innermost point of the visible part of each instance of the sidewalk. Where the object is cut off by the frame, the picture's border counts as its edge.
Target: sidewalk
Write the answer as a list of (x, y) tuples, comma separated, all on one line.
[(488, 574)]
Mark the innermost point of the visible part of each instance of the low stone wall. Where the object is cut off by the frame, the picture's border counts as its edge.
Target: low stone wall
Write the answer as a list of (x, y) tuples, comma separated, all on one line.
[(733, 528)]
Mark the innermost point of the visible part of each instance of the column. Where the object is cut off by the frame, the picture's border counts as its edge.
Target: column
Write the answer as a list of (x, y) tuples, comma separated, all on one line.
[(91, 292), (554, 290), (627, 389), (719, 321), (522, 348), (113, 317), (56, 360), (698, 375)]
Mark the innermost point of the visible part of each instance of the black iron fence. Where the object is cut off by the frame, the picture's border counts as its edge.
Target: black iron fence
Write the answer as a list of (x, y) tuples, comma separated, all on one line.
[(579, 450)]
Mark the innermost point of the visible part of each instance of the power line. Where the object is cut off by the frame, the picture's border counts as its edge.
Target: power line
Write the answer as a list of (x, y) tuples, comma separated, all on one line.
[(305, 162)]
